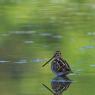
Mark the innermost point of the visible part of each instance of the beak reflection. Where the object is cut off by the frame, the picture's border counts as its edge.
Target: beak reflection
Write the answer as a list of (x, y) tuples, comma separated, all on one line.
[(59, 84)]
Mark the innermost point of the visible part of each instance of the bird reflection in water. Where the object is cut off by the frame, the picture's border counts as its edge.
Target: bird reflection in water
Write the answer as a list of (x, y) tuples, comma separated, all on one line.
[(59, 84)]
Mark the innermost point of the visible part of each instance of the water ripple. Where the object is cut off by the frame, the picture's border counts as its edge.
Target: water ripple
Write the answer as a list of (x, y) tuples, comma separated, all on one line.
[(22, 61), (92, 65), (45, 34), (36, 60), (3, 61), (28, 42), (91, 33), (87, 47), (25, 60), (23, 32), (58, 36), (5, 34)]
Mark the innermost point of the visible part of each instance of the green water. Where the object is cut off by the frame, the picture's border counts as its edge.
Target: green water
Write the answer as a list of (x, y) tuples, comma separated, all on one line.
[(29, 82), (30, 33)]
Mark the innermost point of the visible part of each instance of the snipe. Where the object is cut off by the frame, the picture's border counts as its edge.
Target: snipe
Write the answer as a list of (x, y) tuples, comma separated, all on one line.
[(59, 65)]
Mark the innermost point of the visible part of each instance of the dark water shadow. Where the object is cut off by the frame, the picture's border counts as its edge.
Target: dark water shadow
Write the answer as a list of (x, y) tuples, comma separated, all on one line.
[(59, 84)]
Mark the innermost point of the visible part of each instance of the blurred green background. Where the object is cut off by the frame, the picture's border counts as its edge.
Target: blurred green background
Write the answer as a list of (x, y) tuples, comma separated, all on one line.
[(32, 30)]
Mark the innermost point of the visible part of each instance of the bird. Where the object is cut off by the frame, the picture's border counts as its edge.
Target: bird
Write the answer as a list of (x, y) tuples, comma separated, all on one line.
[(59, 65)]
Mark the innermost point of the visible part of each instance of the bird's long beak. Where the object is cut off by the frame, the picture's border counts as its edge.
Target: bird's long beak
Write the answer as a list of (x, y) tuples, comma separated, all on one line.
[(48, 88), (47, 61)]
